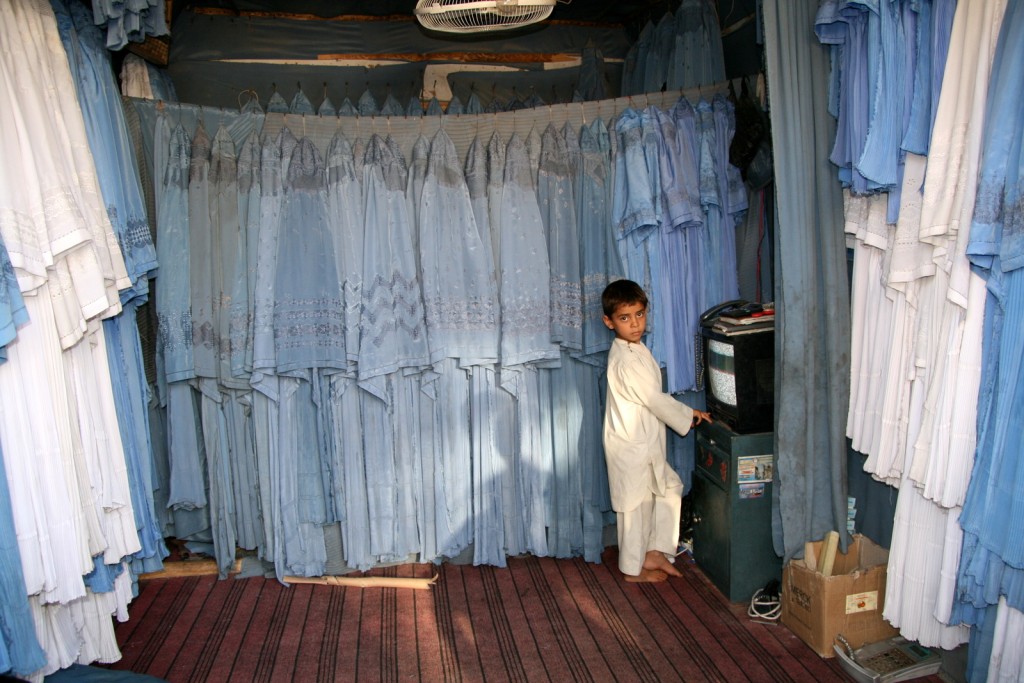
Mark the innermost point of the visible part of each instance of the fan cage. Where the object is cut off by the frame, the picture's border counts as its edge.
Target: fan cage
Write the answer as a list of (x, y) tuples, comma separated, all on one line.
[(475, 16)]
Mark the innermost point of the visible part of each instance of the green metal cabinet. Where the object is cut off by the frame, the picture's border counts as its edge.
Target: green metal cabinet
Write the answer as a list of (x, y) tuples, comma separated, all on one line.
[(732, 507)]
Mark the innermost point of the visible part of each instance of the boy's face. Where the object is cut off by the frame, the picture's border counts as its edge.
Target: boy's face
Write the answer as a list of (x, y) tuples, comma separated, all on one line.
[(629, 322)]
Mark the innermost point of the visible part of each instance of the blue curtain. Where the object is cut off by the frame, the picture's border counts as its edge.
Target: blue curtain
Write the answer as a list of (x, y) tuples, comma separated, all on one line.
[(812, 302)]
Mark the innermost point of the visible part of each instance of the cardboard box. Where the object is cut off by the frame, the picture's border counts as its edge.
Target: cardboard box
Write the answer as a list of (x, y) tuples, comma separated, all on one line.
[(817, 608)]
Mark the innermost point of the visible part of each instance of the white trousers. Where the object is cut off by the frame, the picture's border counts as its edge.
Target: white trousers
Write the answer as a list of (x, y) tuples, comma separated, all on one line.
[(652, 525)]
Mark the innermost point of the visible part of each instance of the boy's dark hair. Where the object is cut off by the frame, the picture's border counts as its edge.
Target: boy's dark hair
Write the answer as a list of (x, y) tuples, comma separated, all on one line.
[(622, 293)]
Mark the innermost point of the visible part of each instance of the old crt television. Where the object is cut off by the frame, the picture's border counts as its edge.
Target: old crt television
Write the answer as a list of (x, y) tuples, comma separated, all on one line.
[(737, 370)]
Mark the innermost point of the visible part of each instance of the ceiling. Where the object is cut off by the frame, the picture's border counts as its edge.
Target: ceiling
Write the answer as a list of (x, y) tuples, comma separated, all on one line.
[(621, 12), (221, 48)]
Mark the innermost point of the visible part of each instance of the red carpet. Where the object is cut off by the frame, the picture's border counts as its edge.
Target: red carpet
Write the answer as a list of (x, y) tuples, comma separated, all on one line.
[(540, 619)]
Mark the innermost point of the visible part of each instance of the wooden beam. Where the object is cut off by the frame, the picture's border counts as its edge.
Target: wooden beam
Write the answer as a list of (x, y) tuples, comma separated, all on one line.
[(469, 57), (405, 18), (181, 568), (366, 581), (297, 16)]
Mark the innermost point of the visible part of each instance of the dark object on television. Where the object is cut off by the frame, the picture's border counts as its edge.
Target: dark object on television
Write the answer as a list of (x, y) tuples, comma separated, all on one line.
[(736, 366)]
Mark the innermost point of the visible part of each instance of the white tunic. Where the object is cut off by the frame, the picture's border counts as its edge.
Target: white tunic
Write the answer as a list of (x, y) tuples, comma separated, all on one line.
[(634, 425)]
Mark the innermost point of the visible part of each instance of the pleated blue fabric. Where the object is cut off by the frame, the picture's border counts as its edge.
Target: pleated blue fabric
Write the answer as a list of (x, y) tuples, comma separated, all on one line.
[(991, 568), (454, 397)]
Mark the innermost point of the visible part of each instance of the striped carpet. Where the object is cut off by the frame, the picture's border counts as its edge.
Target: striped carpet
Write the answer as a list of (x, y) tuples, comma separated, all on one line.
[(539, 619)]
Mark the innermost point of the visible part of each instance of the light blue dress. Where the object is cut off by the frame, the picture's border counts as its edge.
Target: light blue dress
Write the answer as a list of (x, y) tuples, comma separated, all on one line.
[(174, 315), (12, 306), (523, 266), (459, 290), (593, 79), (731, 191), (697, 58), (308, 310), (461, 304), (415, 107), (934, 26), (300, 104), (230, 247), (880, 159), (523, 275), (391, 106), (455, 107), (392, 334), (204, 252), (558, 213), (347, 108), (599, 260), (845, 29), (492, 408), (635, 208), (243, 284), (367, 104), (992, 556), (277, 104), (20, 652), (393, 339), (118, 177), (345, 205), (274, 158), (129, 21), (327, 107), (473, 104), (658, 55), (681, 241)]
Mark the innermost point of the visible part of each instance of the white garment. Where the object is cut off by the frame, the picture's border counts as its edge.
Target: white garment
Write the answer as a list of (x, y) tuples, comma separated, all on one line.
[(1006, 661), (52, 217), (135, 78), (880, 363), (52, 523), (652, 525), (63, 459), (634, 426), (922, 570), (927, 417)]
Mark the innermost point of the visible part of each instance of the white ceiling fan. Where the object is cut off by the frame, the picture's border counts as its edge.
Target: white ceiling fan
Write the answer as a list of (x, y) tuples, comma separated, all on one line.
[(479, 16)]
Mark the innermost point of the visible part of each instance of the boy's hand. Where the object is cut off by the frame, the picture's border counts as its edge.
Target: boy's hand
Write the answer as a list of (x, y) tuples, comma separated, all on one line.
[(700, 416)]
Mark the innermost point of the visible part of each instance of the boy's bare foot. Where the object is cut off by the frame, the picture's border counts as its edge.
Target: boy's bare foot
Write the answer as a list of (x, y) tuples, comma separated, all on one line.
[(656, 561), (647, 576)]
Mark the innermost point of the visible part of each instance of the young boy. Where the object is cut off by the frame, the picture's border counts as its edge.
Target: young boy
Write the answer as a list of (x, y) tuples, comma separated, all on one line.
[(646, 492)]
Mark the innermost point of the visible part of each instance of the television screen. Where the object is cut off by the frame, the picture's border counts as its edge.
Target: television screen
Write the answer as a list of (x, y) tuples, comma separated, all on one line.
[(722, 371)]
